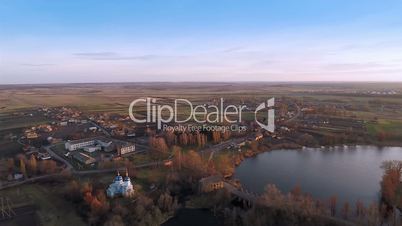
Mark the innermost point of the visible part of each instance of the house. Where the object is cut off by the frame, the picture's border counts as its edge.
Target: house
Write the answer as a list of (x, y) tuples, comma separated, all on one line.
[(84, 158), (77, 144), (18, 176), (44, 156), (128, 148), (31, 135), (211, 183), (96, 141), (258, 136), (91, 149)]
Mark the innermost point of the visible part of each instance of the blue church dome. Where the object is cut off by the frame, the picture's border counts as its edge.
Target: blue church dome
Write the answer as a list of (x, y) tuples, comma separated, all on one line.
[(118, 187), (118, 177), (126, 178)]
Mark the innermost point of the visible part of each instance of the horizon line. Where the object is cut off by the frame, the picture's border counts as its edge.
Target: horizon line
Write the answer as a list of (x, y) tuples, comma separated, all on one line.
[(204, 82)]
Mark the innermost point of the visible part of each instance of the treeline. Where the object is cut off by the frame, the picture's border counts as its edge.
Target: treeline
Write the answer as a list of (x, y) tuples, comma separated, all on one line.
[(297, 208), (168, 139), (191, 163), (391, 183), (29, 167)]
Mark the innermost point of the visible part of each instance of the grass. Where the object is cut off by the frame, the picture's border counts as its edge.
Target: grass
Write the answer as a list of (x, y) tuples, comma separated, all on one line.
[(9, 149), (151, 175), (391, 127), (52, 208)]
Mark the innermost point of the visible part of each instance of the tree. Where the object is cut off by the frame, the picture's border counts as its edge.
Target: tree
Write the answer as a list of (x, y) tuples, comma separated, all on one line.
[(10, 164), (345, 210), (114, 220), (306, 140), (296, 192), (381, 135), (23, 168), (177, 157), (224, 165), (73, 191), (332, 205), (193, 162), (390, 181), (216, 137), (158, 143), (48, 166), (165, 202), (360, 209), (32, 166)]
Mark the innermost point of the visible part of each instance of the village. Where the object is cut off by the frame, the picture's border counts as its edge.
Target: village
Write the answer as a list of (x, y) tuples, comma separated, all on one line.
[(135, 159), (96, 141)]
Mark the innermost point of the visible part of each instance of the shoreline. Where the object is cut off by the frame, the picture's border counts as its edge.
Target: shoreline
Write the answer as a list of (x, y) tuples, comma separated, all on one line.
[(293, 146)]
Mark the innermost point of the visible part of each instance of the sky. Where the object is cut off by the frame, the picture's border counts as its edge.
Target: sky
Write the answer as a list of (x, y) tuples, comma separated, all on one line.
[(71, 41)]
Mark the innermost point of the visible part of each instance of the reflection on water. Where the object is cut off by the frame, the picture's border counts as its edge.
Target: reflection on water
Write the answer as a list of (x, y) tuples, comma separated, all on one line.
[(351, 173)]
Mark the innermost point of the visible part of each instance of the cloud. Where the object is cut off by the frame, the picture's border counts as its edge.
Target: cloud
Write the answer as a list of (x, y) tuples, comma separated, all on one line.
[(112, 56), (232, 49), (141, 57), (353, 66), (95, 54), (37, 65)]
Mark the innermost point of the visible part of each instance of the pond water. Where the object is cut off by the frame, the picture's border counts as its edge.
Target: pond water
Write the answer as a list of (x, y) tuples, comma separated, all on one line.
[(351, 173)]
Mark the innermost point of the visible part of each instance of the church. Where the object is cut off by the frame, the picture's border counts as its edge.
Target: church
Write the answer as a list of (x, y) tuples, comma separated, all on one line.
[(120, 187)]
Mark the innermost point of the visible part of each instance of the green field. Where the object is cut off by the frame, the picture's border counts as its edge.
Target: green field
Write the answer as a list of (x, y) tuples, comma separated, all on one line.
[(392, 128)]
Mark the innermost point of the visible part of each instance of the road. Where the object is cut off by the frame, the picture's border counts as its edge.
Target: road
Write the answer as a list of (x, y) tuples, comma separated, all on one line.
[(58, 157), (76, 172), (100, 127), (30, 180)]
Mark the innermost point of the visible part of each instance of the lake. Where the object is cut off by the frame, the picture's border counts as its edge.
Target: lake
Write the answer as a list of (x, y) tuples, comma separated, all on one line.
[(351, 173)]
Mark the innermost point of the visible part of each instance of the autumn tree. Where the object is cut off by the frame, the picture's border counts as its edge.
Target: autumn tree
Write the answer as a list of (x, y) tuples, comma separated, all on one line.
[(23, 168), (32, 165), (360, 209), (193, 162), (381, 135), (48, 166), (167, 203), (158, 144), (216, 137), (224, 165), (345, 210), (296, 192), (391, 181), (332, 204), (177, 157), (114, 220), (170, 138), (10, 164)]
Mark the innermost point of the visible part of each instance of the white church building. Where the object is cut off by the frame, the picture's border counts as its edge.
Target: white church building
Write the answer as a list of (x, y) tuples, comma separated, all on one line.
[(120, 187)]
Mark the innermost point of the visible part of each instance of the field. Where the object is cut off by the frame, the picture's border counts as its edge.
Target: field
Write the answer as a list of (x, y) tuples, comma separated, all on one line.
[(340, 112), (117, 97), (352, 100), (52, 209), (392, 128)]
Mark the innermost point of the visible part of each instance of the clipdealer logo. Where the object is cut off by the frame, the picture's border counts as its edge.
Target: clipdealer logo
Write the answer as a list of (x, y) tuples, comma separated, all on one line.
[(212, 114)]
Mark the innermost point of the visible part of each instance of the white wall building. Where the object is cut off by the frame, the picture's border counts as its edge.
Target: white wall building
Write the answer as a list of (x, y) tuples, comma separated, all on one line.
[(120, 187), (77, 144), (127, 149), (81, 144), (91, 149)]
